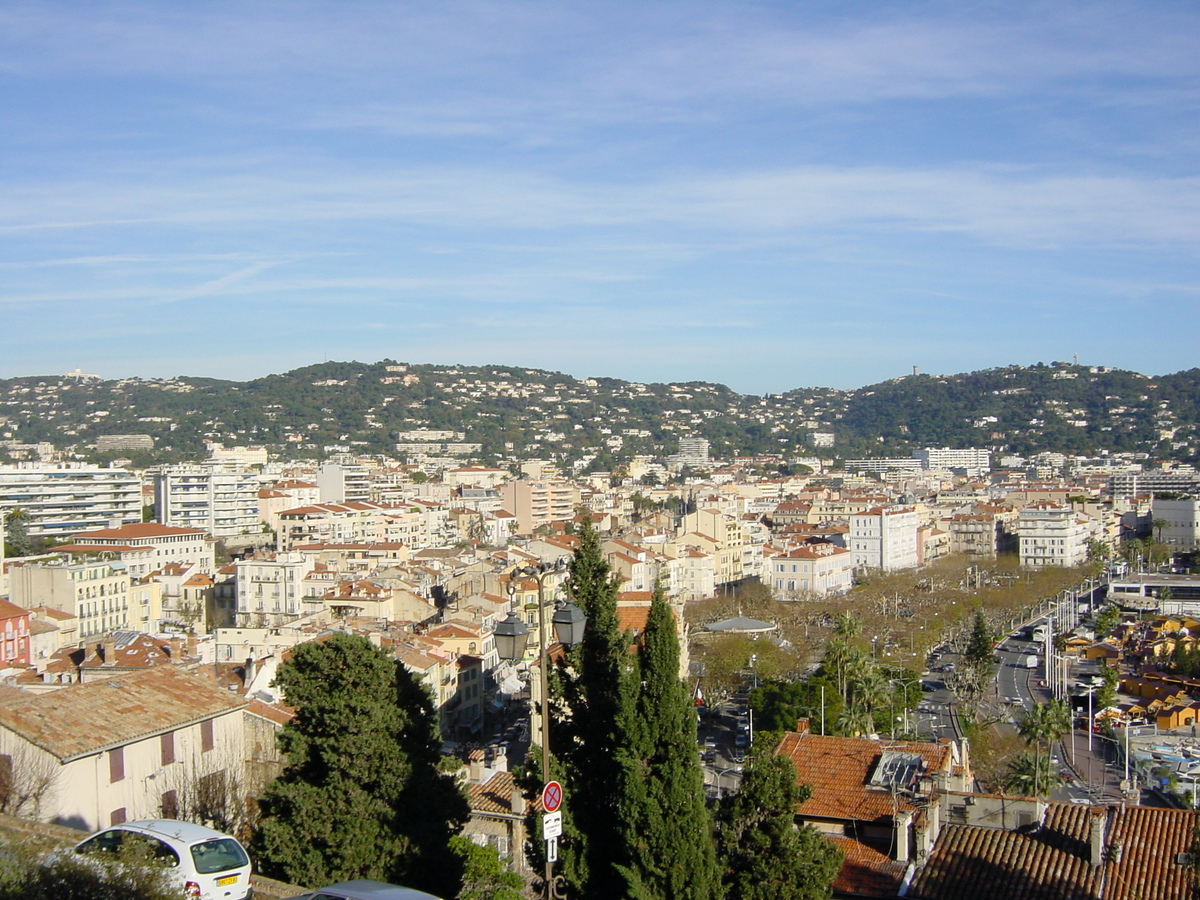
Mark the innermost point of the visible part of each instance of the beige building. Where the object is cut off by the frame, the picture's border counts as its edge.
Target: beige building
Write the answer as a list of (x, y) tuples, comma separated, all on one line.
[(146, 546), (537, 503), (130, 747), (811, 569), (95, 592)]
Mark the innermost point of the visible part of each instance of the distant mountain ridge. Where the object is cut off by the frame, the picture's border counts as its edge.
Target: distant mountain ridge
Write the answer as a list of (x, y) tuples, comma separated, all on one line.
[(520, 412)]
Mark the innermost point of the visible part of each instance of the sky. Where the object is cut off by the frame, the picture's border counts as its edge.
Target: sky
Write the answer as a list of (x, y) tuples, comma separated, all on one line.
[(765, 195)]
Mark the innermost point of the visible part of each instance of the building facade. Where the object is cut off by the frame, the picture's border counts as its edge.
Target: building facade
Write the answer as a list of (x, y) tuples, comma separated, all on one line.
[(59, 500), (218, 499)]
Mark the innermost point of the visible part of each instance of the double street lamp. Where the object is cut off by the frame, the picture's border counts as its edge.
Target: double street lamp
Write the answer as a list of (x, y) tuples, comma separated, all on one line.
[(511, 637)]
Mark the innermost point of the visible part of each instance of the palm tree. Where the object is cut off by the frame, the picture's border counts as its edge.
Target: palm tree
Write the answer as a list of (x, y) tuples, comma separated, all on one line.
[(1028, 773), (1044, 724), (847, 625), (1158, 525), (855, 719)]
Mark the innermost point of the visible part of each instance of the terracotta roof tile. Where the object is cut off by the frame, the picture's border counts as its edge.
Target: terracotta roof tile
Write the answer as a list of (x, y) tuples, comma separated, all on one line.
[(87, 718)]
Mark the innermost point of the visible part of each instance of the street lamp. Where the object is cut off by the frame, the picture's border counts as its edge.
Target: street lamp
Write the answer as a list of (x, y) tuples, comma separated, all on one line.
[(511, 637), (906, 685)]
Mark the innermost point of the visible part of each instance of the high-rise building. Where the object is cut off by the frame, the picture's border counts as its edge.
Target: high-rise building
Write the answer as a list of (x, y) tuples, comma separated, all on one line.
[(222, 500), (59, 500)]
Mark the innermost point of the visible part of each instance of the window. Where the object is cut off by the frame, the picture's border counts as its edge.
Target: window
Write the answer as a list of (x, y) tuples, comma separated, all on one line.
[(166, 744), (169, 805), (206, 735), (117, 816), (116, 768)]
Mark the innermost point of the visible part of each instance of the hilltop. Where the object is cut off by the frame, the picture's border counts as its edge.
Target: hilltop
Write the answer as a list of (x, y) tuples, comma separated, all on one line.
[(520, 412)]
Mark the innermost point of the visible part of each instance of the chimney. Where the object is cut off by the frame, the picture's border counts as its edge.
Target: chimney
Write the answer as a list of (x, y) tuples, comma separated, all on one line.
[(1096, 846), (108, 650), (903, 827), (475, 767), (802, 726), (518, 801)]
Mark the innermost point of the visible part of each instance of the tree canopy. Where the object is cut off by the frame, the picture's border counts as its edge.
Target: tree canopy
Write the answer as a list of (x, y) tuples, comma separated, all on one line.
[(361, 795), (763, 854)]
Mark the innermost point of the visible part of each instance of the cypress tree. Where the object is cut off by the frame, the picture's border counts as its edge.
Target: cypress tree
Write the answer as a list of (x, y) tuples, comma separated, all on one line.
[(598, 689), (670, 829), (764, 855), (635, 796), (361, 796)]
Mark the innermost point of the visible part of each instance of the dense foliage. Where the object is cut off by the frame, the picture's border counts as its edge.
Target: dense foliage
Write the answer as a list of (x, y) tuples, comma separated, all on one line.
[(763, 854), (361, 796), (26, 874), (628, 750)]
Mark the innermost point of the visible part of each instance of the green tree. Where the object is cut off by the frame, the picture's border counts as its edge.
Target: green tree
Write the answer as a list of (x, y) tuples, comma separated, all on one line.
[(16, 533), (979, 645), (671, 835), (1107, 695), (628, 745), (484, 874), (1042, 726), (764, 855), (598, 690), (361, 796), (779, 705), (1106, 620), (1030, 775)]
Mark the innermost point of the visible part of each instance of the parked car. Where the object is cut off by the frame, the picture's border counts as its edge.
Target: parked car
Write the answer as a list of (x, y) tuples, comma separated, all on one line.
[(206, 864), (363, 889)]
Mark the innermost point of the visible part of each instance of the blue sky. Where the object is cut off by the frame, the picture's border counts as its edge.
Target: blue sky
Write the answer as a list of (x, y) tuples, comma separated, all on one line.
[(768, 195)]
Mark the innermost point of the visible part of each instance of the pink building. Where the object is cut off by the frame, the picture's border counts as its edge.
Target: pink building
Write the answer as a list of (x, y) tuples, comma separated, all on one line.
[(14, 636)]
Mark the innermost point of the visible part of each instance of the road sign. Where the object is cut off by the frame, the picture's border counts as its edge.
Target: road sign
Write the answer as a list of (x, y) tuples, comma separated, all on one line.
[(552, 850), (552, 796), (551, 825)]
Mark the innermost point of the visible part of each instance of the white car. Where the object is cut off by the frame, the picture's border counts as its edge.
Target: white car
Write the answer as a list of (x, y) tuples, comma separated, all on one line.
[(365, 890), (206, 864)]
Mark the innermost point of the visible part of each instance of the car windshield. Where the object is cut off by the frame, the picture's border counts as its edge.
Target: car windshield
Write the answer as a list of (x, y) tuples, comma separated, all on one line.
[(218, 855)]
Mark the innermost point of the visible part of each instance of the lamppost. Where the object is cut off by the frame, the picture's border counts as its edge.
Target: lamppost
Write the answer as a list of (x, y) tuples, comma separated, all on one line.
[(511, 637), (722, 772), (905, 685)]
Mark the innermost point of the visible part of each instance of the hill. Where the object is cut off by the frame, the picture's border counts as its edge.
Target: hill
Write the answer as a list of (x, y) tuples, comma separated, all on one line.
[(513, 411)]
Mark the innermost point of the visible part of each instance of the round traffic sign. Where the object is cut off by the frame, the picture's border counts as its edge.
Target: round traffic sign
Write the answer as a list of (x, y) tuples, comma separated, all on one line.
[(552, 796)]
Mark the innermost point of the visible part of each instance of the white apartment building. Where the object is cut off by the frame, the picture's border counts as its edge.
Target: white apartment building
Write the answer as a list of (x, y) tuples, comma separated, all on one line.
[(1052, 535), (536, 503), (1182, 518), (95, 592), (146, 546), (270, 590), (810, 569), (974, 462), (60, 500), (692, 574), (348, 523), (884, 538), (221, 500), (343, 483)]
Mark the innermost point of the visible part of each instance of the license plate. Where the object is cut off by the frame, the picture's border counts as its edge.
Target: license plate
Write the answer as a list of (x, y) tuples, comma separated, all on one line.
[(228, 879)]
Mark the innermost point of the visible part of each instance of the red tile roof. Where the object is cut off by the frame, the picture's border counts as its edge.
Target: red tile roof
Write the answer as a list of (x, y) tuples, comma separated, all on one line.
[(865, 871), (838, 768)]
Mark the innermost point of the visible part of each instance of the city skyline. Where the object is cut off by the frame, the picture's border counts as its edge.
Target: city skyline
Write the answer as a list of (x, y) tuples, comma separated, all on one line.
[(762, 195)]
